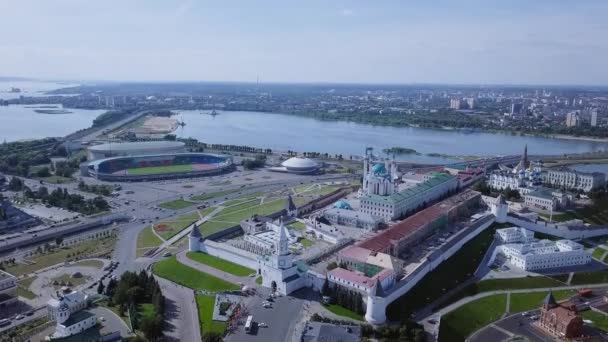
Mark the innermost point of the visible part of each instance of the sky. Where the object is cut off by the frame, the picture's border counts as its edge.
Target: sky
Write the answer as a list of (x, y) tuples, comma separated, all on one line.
[(377, 41)]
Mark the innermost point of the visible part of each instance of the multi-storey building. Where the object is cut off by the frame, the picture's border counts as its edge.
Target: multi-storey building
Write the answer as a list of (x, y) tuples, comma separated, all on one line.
[(574, 180), (514, 235), (545, 254), (8, 289), (392, 206)]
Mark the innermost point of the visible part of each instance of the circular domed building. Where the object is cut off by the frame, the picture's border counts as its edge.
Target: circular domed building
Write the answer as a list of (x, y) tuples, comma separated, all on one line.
[(299, 165)]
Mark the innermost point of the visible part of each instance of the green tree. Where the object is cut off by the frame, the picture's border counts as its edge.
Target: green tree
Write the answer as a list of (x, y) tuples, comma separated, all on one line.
[(100, 287)]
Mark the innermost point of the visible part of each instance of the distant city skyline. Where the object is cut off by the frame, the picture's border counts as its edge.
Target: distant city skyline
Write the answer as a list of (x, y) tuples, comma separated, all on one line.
[(388, 42)]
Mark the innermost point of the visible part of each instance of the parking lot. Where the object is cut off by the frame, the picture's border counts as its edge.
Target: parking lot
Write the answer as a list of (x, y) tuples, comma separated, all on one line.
[(279, 319)]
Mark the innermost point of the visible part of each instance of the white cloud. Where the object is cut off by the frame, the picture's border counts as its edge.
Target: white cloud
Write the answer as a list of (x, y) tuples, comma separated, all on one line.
[(347, 12)]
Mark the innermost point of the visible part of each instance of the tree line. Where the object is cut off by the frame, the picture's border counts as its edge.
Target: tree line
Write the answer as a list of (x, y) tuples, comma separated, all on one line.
[(133, 290), (61, 198)]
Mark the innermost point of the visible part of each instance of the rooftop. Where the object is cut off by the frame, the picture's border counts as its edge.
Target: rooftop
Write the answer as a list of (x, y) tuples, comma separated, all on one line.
[(138, 145), (411, 224), (327, 332), (78, 316), (437, 179)]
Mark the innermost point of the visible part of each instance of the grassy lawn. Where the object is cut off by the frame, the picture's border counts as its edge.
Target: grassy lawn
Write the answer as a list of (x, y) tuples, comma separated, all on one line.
[(175, 271), (446, 276), (462, 322), (220, 264), (598, 253), (205, 196), (167, 229), (159, 169), (297, 226), (229, 217), (258, 280), (25, 293), (88, 263), (528, 301), (56, 179), (240, 201), (147, 240), (205, 315), (590, 278), (517, 283), (23, 288), (306, 243), (239, 207), (59, 255), (342, 311), (599, 320), (177, 204), (207, 211), (212, 226)]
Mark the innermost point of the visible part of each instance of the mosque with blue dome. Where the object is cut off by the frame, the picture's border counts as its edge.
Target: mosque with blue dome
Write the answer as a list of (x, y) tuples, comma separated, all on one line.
[(379, 179)]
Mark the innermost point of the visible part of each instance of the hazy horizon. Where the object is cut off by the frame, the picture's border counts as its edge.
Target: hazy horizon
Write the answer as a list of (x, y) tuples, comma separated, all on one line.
[(472, 42)]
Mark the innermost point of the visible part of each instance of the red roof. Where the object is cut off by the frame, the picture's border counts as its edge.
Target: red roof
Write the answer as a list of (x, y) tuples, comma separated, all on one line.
[(355, 253), (403, 229), (351, 276), (382, 241)]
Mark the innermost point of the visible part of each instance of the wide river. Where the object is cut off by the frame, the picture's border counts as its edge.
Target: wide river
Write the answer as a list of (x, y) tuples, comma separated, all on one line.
[(19, 122), (285, 132)]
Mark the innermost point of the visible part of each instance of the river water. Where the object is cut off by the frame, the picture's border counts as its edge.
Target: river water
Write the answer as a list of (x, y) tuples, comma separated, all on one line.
[(286, 132), (18, 122)]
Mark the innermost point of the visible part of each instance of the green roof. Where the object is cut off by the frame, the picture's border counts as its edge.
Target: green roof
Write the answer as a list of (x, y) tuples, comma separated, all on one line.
[(403, 196), (542, 193), (76, 317)]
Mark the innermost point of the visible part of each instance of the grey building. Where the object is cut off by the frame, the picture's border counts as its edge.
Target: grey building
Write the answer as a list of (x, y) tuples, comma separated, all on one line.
[(326, 332), (574, 180)]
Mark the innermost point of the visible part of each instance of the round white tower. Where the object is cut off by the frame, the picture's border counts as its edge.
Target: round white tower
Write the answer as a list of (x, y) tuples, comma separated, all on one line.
[(375, 312), (500, 208), (194, 240)]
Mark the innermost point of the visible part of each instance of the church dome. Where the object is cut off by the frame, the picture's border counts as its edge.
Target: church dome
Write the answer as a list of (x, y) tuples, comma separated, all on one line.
[(379, 169), (342, 205)]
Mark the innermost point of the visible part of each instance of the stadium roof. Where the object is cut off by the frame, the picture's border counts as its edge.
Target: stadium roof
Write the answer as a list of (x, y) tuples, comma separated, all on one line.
[(138, 145), (300, 163)]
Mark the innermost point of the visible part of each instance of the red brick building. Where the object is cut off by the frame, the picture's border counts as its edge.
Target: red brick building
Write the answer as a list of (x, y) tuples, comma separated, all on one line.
[(560, 320)]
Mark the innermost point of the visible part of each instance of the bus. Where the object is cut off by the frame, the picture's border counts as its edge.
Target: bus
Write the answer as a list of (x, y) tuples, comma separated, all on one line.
[(248, 324)]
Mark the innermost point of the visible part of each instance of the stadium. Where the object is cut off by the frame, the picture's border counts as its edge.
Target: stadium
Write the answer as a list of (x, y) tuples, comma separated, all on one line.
[(138, 148), (158, 166)]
